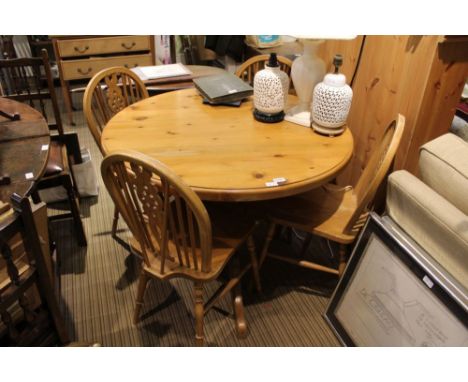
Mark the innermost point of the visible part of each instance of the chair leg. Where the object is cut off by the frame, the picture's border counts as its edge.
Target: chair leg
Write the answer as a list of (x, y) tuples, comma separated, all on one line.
[(115, 222), (75, 210), (254, 261), (343, 258), (142, 284), (269, 237), (199, 313), (35, 197)]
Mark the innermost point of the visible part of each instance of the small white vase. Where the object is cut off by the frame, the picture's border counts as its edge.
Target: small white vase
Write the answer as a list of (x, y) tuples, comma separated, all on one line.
[(271, 86)]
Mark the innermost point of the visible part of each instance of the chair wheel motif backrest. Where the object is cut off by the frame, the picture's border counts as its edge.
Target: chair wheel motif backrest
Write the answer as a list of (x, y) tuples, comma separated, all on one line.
[(115, 96), (166, 217), (108, 92)]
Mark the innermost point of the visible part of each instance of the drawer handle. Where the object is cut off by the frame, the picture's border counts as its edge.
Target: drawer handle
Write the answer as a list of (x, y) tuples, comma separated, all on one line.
[(84, 73), (128, 46), (127, 66), (82, 50)]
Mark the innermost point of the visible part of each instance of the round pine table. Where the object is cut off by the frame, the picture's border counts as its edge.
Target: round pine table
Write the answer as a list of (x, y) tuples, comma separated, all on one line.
[(222, 152), (24, 149)]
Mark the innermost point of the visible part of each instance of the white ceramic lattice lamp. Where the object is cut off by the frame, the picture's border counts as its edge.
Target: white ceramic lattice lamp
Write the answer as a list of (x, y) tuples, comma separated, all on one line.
[(331, 102), (271, 87)]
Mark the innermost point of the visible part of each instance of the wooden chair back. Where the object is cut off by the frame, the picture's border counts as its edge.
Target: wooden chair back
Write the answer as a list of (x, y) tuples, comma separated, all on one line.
[(29, 310), (166, 217), (375, 171), (248, 69), (7, 48), (30, 80), (108, 92)]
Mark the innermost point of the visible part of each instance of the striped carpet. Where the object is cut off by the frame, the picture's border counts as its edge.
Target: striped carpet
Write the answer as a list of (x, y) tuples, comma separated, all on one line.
[(98, 289)]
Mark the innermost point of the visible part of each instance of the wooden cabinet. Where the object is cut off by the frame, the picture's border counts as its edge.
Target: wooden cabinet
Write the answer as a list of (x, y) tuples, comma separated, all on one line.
[(104, 45), (81, 57), (83, 69)]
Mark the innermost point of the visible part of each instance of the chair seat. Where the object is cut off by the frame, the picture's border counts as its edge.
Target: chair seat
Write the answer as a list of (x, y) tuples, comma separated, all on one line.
[(324, 211), (230, 227), (55, 163)]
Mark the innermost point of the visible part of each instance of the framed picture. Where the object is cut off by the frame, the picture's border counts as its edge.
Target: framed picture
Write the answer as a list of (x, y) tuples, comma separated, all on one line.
[(392, 293)]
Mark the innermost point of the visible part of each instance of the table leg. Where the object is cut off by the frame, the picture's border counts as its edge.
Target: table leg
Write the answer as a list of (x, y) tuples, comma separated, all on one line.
[(237, 303)]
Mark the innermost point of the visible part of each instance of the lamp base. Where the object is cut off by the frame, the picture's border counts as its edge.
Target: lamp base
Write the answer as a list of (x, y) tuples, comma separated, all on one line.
[(327, 130), (299, 116), (268, 118)]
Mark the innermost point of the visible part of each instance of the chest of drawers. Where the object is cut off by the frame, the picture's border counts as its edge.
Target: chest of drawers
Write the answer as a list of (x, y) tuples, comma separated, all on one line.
[(81, 57)]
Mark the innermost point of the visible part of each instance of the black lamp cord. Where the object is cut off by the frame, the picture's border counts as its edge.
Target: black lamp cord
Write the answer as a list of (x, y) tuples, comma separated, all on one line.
[(358, 61)]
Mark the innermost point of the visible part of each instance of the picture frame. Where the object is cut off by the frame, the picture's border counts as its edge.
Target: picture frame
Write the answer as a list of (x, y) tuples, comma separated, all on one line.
[(393, 293)]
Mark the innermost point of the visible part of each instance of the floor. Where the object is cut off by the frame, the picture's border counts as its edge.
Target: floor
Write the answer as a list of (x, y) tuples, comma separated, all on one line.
[(98, 288)]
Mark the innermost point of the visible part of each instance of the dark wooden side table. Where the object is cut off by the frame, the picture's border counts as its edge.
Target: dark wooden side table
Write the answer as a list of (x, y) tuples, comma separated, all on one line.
[(24, 149)]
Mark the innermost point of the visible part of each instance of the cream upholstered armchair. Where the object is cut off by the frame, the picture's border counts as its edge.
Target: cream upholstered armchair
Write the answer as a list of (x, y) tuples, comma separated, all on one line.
[(433, 210)]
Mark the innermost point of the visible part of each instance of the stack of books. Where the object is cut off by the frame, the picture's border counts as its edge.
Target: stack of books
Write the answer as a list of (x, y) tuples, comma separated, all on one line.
[(223, 88)]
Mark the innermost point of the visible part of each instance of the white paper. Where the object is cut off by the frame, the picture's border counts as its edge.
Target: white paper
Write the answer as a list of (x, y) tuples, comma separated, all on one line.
[(279, 180)]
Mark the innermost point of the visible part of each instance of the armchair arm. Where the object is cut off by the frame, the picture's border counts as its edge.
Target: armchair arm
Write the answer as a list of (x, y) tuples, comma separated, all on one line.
[(443, 165), (433, 222)]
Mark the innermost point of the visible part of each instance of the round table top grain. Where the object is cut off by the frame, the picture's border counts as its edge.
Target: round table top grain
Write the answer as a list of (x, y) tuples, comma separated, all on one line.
[(21, 148), (222, 152)]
